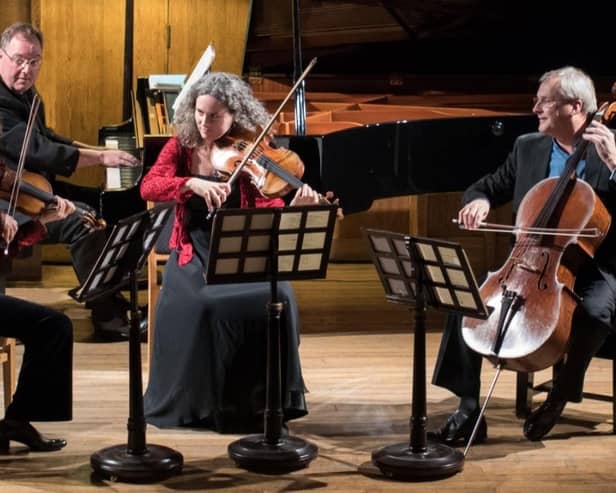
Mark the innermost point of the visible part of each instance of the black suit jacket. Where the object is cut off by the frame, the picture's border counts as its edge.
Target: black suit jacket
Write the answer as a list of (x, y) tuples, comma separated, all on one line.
[(49, 153), (527, 164)]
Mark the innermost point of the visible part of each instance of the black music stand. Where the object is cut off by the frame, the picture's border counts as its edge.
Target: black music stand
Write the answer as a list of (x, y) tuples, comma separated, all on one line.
[(271, 244), (422, 272), (124, 255)]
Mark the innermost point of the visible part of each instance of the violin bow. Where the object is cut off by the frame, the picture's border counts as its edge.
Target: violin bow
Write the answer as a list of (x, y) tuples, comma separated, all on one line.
[(269, 124), (36, 102), (266, 128)]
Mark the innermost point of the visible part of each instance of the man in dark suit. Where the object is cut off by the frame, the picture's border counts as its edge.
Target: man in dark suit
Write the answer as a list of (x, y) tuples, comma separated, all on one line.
[(45, 386), (564, 101), (49, 154)]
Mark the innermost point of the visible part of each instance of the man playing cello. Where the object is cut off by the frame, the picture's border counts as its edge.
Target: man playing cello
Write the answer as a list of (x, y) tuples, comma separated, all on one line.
[(565, 98)]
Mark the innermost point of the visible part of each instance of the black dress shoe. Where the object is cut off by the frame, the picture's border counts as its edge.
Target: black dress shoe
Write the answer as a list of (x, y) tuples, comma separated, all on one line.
[(542, 420), (458, 428), (24, 432), (109, 318), (114, 329)]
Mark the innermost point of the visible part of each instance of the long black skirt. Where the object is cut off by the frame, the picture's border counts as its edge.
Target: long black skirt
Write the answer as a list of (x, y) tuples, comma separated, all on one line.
[(208, 366)]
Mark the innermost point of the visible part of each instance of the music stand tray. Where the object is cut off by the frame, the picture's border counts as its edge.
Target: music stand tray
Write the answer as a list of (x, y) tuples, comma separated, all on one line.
[(124, 254), (271, 244), (422, 272)]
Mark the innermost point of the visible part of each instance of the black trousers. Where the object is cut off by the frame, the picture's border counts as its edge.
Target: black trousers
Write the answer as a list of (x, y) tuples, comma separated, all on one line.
[(458, 368), (84, 244), (44, 387)]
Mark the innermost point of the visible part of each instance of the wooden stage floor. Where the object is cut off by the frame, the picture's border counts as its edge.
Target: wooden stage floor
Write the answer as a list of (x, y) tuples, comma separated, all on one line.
[(359, 400)]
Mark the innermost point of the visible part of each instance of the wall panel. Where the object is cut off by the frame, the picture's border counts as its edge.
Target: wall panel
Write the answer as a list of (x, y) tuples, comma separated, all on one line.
[(81, 76), (13, 11), (196, 24)]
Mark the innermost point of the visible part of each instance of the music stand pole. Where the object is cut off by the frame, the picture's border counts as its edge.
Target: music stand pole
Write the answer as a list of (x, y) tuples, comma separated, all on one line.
[(135, 461), (125, 251), (422, 272), (418, 459), (271, 452)]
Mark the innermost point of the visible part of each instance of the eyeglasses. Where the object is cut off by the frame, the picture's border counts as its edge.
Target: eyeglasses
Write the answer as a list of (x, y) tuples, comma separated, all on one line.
[(547, 101), (21, 62)]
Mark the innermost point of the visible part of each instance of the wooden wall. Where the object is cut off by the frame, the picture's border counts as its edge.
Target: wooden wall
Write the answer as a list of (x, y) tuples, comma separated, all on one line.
[(81, 79), (13, 11)]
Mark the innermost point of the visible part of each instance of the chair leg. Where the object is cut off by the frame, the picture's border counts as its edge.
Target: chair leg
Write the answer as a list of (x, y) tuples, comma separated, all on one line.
[(613, 397), (8, 371), (523, 398), (153, 292)]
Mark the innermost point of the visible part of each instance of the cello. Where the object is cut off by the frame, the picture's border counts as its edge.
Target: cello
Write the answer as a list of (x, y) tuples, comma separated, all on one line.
[(559, 224)]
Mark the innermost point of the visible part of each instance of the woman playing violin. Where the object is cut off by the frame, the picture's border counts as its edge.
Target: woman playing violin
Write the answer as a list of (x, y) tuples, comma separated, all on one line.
[(208, 361), (564, 100)]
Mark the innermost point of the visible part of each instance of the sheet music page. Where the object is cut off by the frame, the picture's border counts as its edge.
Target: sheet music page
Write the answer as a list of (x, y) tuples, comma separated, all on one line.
[(203, 65)]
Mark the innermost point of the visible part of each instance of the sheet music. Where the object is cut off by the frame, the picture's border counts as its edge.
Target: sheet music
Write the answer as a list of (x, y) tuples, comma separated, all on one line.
[(202, 67)]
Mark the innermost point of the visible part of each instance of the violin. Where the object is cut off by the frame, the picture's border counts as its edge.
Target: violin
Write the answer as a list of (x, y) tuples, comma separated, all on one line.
[(275, 171), (36, 194)]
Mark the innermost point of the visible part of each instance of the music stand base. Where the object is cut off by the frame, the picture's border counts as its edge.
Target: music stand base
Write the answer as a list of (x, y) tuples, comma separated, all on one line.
[(400, 462), (156, 464), (256, 454)]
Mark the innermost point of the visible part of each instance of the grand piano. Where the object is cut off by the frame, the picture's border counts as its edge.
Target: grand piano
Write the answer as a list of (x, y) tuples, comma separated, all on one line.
[(386, 143)]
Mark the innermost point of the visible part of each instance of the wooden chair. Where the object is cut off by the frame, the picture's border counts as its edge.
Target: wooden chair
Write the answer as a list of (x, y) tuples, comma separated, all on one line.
[(158, 256), (7, 359), (526, 389)]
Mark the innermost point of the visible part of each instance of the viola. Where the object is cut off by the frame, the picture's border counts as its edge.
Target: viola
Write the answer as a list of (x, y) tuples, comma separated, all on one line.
[(275, 171), (36, 194)]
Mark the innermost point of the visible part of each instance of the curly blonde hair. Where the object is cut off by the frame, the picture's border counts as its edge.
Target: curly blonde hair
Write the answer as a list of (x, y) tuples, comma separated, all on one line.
[(248, 112)]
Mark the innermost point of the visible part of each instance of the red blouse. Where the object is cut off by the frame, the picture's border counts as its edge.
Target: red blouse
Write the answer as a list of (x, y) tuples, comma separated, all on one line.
[(167, 177)]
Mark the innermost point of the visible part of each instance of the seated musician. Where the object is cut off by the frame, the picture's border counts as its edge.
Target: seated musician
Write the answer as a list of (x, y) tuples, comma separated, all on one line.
[(565, 98), (44, 390), (21, 56), (208, 361)]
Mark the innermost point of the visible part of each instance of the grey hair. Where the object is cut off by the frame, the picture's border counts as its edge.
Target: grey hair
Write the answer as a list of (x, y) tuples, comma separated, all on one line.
[(574, 84), (24, 29), (248, 113)]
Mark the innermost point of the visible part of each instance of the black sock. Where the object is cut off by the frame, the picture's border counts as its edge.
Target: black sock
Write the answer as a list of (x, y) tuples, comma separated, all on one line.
[(468, 404)]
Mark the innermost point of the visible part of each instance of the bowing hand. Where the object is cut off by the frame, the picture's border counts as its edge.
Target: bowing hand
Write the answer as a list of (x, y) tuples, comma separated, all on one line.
[(213, 192), (9, 227), (472, 214)]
